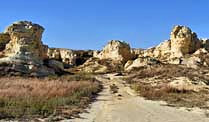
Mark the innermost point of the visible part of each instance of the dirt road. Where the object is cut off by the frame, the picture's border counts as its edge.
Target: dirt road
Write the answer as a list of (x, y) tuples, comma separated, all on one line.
[(126, 106)]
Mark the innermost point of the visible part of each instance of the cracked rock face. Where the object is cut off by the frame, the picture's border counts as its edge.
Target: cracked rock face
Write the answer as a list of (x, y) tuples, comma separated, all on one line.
[(70, 57), (25, 40), (22, 51), (65, 55), (183, 41)]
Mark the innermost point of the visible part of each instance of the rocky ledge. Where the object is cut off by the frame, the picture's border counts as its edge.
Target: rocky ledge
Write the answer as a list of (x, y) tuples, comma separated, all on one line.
[(23, 53)]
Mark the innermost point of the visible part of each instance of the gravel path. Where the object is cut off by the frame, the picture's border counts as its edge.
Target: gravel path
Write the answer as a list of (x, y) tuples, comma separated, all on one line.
[(125, 106)]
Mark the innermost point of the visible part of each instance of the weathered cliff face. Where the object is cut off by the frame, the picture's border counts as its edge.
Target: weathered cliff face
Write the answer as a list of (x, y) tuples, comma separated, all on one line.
[(25, 40), (65, 55), (117, 51), (183, 41), (70, 57), (22, 51)]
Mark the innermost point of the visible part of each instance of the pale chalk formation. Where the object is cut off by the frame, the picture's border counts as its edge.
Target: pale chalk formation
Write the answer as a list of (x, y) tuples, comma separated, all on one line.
[(22, 50), (25, 40), (117, 51), (183, 41)]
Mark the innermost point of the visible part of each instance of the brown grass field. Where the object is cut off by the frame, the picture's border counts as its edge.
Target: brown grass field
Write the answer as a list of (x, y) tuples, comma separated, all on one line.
[(34, 97)]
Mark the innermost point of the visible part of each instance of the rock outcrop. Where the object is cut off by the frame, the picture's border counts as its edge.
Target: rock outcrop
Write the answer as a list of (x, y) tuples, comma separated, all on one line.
[(117, 51), (162, 51), (25, 40), (57, 66), (183, 41), (140, 62), (67, 56), (22, 51), (70, 57), (181, 48)]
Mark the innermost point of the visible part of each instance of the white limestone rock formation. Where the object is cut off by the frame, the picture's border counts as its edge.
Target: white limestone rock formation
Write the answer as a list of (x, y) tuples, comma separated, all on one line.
[(116, 50)]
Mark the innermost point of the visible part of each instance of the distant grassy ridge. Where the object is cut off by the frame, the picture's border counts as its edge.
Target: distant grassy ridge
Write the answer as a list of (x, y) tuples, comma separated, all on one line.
[(53, 96)]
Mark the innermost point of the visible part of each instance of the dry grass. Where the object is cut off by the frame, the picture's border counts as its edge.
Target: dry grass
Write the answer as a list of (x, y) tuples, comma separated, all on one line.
[(18, 87), (28, 97), (168, 71), (152, 83), (174, 97), (112, 65)]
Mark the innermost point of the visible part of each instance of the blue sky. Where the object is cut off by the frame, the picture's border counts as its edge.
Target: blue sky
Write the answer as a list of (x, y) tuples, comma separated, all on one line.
[(89, 24)]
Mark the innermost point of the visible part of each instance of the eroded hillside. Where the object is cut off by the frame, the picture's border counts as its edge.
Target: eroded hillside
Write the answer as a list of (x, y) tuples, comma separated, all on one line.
[(175, 71)]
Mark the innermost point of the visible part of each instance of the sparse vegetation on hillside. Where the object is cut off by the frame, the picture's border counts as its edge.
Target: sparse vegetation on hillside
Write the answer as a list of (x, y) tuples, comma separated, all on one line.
[(152, 83), (174, 97), (55, 96)]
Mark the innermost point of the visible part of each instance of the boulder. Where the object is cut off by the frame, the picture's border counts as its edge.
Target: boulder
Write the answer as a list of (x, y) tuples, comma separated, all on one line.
[(56, 65), (116, 50), (140, 62), (201, 51)]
